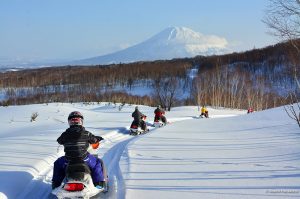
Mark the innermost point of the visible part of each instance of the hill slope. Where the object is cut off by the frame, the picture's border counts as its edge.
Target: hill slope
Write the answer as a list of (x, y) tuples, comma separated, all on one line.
[(249, 156)]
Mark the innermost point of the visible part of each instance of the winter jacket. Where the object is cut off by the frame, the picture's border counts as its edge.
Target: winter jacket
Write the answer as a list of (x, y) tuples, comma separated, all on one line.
[(203, 110), (76, 141), (137, 115), (159, 112)]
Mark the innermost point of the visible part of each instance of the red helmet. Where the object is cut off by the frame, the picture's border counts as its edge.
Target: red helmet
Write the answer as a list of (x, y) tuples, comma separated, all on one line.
[(75, 118)]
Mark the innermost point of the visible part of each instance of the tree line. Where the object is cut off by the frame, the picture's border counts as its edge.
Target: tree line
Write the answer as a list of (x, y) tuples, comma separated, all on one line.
[(237, 80)]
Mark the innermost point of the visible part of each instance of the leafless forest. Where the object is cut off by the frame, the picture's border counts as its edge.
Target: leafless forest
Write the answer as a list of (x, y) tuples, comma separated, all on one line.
[(260, 78)]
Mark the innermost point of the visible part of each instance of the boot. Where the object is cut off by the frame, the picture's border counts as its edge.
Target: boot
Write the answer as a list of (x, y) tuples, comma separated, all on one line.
[(102, 185), (54, 185)]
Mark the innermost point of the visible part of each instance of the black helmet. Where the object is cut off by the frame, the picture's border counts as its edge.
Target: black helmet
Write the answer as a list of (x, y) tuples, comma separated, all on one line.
[(136, 108), (75, 118)]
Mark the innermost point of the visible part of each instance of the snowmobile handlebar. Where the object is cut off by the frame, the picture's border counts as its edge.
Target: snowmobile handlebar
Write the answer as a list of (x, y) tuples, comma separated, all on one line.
[(99, 138)]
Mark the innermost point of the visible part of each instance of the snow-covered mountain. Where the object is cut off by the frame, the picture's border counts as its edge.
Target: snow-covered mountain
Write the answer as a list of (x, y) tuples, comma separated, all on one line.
[(173, 42)]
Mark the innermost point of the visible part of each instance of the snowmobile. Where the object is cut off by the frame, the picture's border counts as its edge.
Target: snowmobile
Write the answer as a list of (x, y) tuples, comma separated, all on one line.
[(78, 182), (204, 115), (158, 123), (136, 129)]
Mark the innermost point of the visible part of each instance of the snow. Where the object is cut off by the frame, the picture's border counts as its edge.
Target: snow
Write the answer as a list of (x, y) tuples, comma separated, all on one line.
[(229, 155)]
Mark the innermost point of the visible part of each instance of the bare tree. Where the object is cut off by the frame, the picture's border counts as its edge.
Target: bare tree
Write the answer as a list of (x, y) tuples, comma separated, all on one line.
[(292, 113), (283, 19), (166, 91), (197, 91)]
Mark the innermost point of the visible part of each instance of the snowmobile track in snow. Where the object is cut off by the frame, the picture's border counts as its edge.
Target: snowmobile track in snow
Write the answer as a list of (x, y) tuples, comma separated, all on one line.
[(115, 143)]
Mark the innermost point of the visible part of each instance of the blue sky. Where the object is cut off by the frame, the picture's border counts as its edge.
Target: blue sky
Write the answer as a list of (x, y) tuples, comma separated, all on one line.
[(75, 29)]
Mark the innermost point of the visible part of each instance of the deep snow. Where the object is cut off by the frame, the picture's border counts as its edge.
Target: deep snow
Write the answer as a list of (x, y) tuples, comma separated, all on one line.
[(247, 156)]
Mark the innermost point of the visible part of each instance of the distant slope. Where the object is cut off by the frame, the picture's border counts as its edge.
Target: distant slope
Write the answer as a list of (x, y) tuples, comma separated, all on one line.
[(173, 42)]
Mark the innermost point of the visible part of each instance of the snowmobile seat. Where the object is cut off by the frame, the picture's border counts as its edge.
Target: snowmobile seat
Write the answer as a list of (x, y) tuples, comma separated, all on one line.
[(77, 171)]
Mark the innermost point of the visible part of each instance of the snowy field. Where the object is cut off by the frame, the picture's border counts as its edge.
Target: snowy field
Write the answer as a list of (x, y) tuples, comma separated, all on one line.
[(230, 155)]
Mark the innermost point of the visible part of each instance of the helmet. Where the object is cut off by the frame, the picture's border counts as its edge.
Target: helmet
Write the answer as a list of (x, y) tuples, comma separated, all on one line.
[(75, 118), (158, 106), (136, 108)]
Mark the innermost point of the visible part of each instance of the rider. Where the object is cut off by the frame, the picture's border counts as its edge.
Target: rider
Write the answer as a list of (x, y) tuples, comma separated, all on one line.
[(250, 110), (204, 111), (138, 118), (76, 141), (159, 114)]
